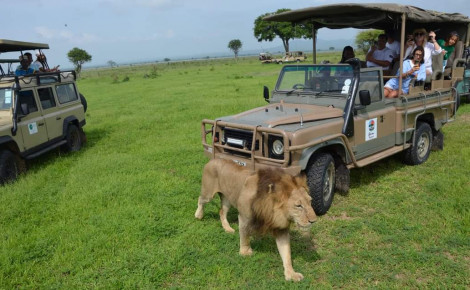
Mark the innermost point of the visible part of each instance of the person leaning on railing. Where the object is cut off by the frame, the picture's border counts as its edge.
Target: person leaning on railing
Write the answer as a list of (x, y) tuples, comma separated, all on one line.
[(41, 64), (412, 68), (24, 68)]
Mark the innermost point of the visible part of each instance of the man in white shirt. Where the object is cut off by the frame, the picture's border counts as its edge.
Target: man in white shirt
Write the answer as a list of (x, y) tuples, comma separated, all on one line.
[(379, 55), (393, 44)]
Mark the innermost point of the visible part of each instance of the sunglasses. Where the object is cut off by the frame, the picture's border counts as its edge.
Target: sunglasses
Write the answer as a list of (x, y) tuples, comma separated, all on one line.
[(420, 34)]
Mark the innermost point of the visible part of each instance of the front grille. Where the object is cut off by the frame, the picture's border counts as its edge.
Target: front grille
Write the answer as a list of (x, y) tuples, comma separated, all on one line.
[(239, 138)]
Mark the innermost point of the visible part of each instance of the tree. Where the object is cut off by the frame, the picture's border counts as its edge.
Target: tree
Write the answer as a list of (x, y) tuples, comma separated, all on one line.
[(268, 30), (78, 57), (365, 39), (235, 45), (112, 63)]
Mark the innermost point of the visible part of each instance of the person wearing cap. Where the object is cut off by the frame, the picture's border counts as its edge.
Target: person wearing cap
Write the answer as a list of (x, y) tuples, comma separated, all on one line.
[(431, 47), (24, 68), (448, 45)]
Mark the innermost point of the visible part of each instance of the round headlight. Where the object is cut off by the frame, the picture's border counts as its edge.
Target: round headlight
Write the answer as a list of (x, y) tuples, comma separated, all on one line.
[(278, 147)]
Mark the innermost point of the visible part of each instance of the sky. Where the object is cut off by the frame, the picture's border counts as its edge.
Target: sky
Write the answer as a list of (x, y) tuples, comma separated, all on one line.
[(148, 30)]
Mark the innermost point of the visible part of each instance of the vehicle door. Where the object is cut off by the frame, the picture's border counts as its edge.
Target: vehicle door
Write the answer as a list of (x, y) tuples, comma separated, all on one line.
[(51, 113), (31, 123), (374, 125)]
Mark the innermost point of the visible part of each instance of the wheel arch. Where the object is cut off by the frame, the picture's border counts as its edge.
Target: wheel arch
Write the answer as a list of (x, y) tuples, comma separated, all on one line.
[(6, 142), (67, 121), (334, 147)]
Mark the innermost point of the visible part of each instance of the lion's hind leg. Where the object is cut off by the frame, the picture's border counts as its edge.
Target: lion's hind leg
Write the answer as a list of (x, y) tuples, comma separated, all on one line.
[(225, 207), (208, 191)]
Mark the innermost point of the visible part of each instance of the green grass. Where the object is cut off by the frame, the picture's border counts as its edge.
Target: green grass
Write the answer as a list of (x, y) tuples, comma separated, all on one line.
[(120, 213)]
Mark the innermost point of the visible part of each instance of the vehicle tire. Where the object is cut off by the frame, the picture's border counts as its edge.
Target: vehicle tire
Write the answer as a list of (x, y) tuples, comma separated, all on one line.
[(321, 182), (9, 166), (419, 151), (84, 103), (73, 138)]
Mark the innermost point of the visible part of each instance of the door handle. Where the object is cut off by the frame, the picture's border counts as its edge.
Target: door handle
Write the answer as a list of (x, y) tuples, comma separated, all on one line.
[(40, 124), (382, 119), (58, 118)]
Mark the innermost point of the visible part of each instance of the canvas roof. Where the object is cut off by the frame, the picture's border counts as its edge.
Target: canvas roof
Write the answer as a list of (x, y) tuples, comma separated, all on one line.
[(13, 45), (371, 15)]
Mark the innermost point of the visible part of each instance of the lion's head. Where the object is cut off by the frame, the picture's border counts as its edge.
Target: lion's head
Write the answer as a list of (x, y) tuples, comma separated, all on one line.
[(281, 199)]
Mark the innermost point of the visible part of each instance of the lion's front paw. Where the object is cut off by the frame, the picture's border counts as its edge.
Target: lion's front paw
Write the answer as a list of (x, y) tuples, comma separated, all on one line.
[(294, 276), (246, 251), (229, 230), (199, 214)]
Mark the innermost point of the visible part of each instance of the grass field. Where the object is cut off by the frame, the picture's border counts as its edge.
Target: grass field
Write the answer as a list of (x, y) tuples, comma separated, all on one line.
[(120, 213)]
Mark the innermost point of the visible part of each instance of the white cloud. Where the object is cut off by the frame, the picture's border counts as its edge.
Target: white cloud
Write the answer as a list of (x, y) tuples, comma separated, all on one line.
[(55, 34)]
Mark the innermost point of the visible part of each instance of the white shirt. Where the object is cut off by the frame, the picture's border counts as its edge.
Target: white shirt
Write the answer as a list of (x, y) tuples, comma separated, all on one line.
[(385, 54), (429, 51), (395, 47)]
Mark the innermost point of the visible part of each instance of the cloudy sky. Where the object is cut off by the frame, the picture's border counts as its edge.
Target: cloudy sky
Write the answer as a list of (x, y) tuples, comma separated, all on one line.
[(140, 30)]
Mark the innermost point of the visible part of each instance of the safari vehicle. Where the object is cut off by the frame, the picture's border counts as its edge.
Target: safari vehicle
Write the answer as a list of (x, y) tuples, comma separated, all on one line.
[(325, 119), (265, 57), (291, 56), (38, 113)]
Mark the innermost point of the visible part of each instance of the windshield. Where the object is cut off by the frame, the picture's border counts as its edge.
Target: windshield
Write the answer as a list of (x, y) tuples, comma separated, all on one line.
[(334, 80), (5, 98)]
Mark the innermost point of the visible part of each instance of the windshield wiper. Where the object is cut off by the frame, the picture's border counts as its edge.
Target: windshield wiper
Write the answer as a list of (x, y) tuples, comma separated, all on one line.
[(326, 91)]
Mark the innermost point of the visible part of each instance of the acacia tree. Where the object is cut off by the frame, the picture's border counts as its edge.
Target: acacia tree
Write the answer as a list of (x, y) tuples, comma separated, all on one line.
[(366, 38), (78, 57), (268, 30), (235, 45)]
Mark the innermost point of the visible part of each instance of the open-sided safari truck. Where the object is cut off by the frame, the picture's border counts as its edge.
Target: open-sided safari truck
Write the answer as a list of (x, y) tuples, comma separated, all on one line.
[(38, 112), (326, 119)]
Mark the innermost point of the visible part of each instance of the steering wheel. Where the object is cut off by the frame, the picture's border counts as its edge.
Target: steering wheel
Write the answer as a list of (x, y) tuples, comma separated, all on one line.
[(298, 86)]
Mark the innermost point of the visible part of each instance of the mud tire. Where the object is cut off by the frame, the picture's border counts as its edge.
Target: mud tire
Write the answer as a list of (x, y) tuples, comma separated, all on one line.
[(321, 182)]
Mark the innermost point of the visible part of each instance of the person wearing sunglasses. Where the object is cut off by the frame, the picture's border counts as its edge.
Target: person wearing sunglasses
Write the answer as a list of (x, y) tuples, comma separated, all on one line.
[(412, 68), (431, 47)]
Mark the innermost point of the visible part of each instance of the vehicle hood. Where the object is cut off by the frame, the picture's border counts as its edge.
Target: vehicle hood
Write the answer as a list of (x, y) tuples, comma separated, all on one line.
[(282, 114)]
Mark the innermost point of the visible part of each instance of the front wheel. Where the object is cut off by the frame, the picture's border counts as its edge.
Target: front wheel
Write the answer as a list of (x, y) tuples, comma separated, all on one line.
[(321, 182), (9, 166), (73, 138), (420, 149)]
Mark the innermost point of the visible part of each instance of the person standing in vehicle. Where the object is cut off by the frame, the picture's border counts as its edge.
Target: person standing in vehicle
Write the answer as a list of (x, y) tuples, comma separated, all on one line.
[(40, 63), (379, 55), (431, 47), (412, 68), (24, 68)]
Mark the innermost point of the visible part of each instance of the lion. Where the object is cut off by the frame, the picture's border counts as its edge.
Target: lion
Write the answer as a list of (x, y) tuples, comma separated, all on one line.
[(268, 201)]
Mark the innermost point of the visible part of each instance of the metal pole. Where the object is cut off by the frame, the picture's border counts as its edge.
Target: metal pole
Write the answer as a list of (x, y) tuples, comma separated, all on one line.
[(402, 42), (314, 37)]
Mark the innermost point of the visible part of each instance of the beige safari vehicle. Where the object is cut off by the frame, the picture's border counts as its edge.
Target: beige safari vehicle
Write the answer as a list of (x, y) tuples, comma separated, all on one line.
[(291, 56), (38, 112), (325, 119)]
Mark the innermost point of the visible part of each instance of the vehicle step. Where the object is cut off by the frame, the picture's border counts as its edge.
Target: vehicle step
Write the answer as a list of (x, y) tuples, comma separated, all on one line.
[(377, 156), (53, 146)]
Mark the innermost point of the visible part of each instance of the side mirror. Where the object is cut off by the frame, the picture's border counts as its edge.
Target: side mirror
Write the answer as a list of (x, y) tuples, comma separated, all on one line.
[(364, 97), (24, 109), (266, 94)]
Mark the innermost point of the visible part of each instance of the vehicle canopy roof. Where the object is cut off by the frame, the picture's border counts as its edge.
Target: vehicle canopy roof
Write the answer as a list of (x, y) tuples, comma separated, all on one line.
[(13, 45), (375, 15)]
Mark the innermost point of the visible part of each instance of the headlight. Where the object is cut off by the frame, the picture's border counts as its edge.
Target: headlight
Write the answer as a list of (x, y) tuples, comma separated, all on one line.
[(278, 147)]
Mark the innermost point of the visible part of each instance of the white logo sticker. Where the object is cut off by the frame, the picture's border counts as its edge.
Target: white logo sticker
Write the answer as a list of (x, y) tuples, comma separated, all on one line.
[(33, 128), (371, 129)]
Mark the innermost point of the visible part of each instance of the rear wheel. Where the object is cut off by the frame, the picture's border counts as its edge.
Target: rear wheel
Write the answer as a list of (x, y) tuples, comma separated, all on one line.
[(74, 139), (420, 149), (321, 182), (9, 166)]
